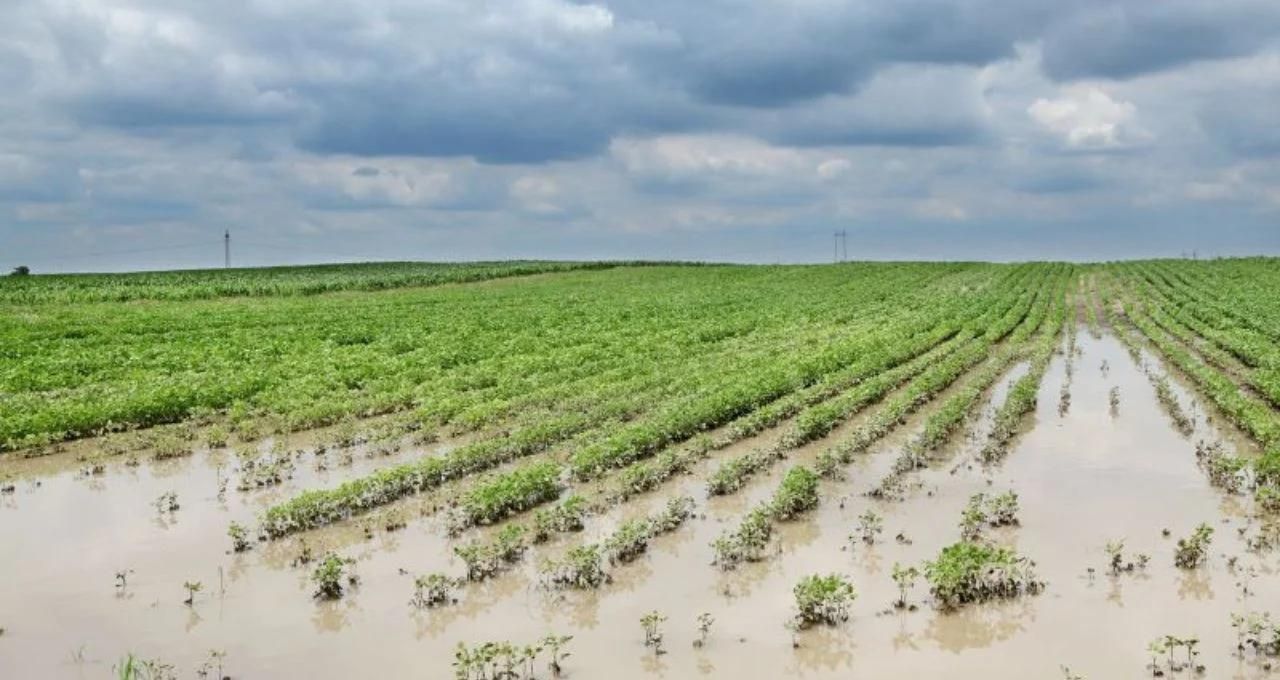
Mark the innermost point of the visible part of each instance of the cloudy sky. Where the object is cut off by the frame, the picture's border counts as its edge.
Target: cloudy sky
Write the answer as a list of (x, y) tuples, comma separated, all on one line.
[(132, 132)]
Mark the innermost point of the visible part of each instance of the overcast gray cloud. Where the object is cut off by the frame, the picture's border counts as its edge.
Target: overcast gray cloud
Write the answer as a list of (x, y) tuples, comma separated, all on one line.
[(134, 131)]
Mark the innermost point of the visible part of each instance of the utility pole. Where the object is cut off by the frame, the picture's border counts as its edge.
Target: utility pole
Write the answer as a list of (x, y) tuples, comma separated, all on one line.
[(226, 249)]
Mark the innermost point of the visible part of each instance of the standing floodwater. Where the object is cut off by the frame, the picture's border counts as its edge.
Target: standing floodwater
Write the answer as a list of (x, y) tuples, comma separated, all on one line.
[(659, 493)]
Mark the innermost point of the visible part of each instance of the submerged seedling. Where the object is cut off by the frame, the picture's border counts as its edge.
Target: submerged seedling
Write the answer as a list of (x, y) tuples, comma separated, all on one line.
[(747, 542), (1116, 562), (134, 668), (579, 568), (433, 590), (968, 572), (554, 644), (1193, 550), (566, 517), (1002, 509), (212, 666), (331, 576), (239, 537), (484, 560), (166, 502), (823, 599), (905, 580), (192, 587), (1168, 646), (972, 518), (704, 628), (651, 623), (304, 554), (870, 525), (983, 510), (1256, 633)]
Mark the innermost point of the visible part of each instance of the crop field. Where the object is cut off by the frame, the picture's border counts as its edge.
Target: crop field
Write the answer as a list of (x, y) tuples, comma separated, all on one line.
[(638, 470)]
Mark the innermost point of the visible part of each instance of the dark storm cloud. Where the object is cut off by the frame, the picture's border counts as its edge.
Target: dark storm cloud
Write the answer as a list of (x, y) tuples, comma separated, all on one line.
[(144, 110), (497, 94), (554, 81), (370, 122), (921, 106), (1127, 39), (1247, 126), (778, 54), (494, 127), (1058, 181)]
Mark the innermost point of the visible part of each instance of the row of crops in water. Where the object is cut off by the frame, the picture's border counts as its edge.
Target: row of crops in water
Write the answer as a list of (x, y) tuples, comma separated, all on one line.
[(622, 361)]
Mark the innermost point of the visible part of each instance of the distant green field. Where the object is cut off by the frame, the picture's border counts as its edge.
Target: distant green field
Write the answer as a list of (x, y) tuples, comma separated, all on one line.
[(267, 281), (473, 353)]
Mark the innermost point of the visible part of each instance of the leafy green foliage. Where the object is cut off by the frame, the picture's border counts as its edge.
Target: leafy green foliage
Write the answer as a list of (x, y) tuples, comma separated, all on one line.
[(631, 539), (491, 660), (1256, 633), (970, 571), (747, 542), (331, 576), (798, 493), (563, 518), (579, 568), (433, 590), (1193, 550), (485, 560), (267, 281), (634, 423), (823, 599), (985, 510), (239, 537), (905, 579), (512, 492)]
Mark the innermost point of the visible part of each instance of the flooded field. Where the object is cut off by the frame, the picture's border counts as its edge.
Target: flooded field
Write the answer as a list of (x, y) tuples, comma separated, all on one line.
[(94, 570), (962, 470)]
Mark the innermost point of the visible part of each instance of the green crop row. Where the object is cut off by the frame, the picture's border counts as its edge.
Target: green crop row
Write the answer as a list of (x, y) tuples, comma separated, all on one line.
[(268, 281), (924, 388), (473, 355), (1254, 417), (1021, 398)]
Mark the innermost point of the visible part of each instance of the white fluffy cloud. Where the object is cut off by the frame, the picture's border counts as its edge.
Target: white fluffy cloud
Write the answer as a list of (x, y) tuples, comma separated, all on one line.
[(701, 155), (1086, 117)]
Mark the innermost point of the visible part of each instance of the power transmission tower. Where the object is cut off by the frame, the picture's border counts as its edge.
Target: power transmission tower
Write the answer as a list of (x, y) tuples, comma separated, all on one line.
[(226, 249), (844, 245), (840, 244)]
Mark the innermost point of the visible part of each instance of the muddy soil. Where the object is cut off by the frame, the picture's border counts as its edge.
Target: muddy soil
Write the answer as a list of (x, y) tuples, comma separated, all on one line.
[(1084, 477)]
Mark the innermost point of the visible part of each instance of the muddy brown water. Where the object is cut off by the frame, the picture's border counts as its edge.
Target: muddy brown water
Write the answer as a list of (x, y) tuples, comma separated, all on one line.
[(1083, 477)]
